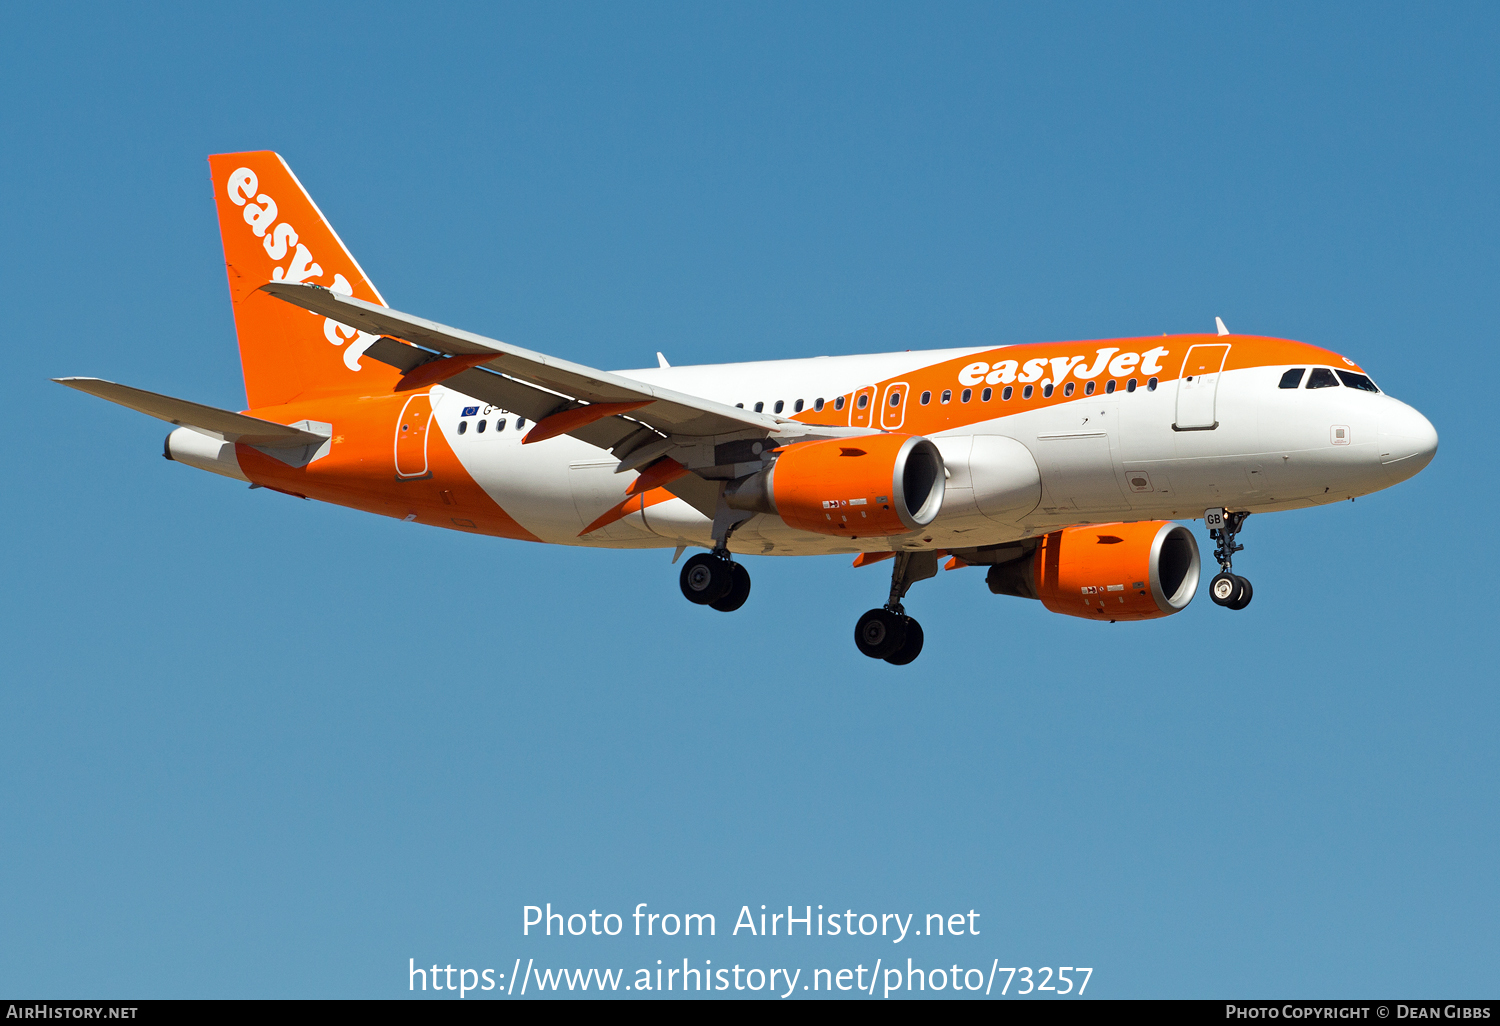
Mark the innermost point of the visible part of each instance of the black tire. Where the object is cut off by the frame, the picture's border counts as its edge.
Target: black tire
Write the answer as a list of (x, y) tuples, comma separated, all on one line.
[(706, 578), (1244, 595), (910, 648), (879, 633), (1224, 589), (739, 590)]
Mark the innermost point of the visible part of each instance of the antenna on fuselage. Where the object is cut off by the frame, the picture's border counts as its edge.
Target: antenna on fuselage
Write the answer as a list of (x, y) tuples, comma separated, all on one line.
[(1217, 320)]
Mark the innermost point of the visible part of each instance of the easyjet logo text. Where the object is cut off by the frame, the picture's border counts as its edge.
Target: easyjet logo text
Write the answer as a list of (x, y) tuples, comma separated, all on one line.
[(1118, 364), (278, 238)]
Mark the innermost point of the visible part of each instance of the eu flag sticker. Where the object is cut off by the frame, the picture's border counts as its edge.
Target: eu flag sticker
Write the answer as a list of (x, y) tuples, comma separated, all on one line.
[(471, 411)]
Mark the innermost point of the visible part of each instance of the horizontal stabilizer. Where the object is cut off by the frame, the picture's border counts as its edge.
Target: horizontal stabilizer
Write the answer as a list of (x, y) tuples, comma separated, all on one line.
[(231, 427)]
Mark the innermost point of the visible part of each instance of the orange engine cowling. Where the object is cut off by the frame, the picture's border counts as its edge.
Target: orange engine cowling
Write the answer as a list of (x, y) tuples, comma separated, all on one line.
[(849, 487), (1107, 571)]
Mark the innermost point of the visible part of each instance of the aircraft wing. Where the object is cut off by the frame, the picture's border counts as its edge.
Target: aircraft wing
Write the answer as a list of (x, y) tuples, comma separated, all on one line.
[(231, 427), (534, 384)]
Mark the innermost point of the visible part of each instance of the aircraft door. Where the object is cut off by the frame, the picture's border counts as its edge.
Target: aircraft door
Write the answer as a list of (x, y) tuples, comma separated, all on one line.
[(1198, 387), (411, 437), (860, 413), (893, 406)]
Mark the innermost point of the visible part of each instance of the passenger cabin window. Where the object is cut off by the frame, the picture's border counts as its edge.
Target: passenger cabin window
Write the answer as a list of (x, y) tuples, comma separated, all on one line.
[(520, 423), (1292, 378), (479, 428), (1068, 388), (1026, 392), (760, 407), (1322, 377), (1047, 390), (966, 395), (1130, 385), (1088, 389), (463, 426), (1151, 385), (947, 396), (1359, 381), (1006, 393), (818, 405), (500, 424), (1109, 387), (896, 398), (797, 406), (739, 406), (838, 404), (778, 407), (862, 401), (926, 398), (984, 396)]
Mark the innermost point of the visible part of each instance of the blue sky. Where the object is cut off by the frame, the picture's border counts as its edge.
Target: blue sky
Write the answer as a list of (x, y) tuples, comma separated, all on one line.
[(261, 747)]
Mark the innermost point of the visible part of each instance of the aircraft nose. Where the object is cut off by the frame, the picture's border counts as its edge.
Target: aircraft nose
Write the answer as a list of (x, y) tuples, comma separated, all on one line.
[(1408, 441)]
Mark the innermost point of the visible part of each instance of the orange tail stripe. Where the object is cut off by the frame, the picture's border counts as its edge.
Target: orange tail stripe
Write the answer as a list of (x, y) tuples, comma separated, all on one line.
[(567, 420), (632, 504)]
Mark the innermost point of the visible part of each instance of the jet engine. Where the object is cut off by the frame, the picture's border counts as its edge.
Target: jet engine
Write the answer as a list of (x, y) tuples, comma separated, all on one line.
[(1110, 572), (883, 484)]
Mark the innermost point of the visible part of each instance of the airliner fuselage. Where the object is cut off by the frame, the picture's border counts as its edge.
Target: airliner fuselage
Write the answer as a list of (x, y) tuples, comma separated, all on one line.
[(1060, 466)]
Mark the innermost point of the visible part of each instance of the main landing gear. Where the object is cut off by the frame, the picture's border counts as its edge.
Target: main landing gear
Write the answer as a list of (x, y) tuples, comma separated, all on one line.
[(888, 633), (714, 580), (1227, 588)]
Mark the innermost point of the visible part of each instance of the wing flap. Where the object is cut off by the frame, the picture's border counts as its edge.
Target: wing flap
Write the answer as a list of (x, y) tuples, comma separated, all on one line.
[(669, 412)]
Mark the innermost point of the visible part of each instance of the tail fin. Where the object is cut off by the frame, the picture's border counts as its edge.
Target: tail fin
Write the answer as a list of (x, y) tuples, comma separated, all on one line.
[(272, 230)]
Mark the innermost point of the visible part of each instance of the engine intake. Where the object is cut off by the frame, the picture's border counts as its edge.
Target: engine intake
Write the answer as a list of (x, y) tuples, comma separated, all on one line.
[(884, 484), (1137, 571)]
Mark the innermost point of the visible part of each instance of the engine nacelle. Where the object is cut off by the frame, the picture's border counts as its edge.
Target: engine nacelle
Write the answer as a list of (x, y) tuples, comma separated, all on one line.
[(1135, 571), (883, 484)]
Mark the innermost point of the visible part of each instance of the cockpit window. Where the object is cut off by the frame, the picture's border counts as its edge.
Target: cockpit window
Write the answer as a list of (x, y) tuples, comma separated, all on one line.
[(1322, 377), (1292, 378), (1359, 381)]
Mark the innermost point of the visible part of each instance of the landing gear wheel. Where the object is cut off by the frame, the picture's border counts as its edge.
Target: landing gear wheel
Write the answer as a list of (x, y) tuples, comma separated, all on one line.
[(706, 578), (739, 590), (910, 648), (1243, 596), (1227, 588), (1224, 589), (880, 633)]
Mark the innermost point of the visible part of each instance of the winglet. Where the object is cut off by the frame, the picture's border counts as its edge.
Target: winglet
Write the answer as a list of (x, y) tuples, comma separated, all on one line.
[(1220, 322)]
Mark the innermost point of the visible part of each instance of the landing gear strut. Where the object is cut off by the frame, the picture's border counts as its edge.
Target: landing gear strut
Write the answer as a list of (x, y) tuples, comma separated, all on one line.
[(1227, 588), (888, 633), (714, 579)]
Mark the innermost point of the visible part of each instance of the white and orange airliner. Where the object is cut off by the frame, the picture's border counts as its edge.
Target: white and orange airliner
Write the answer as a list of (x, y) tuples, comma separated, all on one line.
[(1058, 466)]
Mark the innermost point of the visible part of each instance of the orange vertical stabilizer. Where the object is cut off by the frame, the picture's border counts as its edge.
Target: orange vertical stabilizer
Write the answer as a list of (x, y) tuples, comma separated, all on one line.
[(272, 230)]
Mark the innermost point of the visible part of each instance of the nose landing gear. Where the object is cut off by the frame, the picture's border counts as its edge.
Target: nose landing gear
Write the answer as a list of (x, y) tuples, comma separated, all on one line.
[(1227, 588), (888, 633)]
